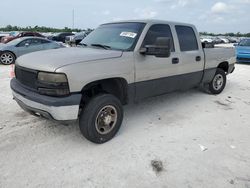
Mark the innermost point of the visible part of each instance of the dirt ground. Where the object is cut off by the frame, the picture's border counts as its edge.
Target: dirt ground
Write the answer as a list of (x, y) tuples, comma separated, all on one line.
[(180, 140)]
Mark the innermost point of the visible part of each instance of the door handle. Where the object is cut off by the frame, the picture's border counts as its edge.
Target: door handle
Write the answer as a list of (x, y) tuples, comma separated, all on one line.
[(198, 58), (175, 60)]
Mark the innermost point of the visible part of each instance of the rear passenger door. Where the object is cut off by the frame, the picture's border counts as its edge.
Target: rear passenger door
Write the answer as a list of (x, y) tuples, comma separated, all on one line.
[(191, 57)]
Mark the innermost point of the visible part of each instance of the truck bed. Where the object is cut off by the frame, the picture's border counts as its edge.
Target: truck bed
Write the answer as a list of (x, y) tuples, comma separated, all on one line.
[(219, 54)]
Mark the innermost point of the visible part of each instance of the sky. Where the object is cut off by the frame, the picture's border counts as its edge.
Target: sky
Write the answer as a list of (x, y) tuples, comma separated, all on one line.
[(208, 15)]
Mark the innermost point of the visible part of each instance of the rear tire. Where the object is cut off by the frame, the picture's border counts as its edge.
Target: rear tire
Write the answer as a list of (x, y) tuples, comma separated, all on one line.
[(7, 58), (101, 118), (217, 85)]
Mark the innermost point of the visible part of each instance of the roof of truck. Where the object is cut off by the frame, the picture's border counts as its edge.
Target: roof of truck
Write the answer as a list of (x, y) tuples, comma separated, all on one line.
[(153, 21)]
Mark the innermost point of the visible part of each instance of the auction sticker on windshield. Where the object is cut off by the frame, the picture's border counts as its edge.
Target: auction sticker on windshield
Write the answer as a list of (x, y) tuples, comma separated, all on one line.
[(128, 34)]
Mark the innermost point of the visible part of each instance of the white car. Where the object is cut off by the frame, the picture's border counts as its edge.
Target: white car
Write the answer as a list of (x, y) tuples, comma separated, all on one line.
[(206, 40), (224, 40)]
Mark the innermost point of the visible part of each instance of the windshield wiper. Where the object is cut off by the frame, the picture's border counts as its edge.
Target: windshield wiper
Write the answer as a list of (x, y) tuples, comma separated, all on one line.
[(82, 44), (102, 46)]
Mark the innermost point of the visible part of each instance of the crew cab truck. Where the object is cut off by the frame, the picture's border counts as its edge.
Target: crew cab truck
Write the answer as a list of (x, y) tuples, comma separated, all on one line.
[(116, 64)]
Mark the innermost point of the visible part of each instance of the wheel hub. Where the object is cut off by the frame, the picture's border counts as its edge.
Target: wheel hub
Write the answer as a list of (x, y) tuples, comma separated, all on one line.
[(106, 119), (6, 58), (218, 82)]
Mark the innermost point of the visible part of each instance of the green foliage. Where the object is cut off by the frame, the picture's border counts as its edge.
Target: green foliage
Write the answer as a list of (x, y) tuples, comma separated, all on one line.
[(238, 34), (41, 29)]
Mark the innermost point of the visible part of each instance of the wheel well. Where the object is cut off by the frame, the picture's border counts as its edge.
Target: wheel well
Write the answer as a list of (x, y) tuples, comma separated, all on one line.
[(115, 86), (224, 66)]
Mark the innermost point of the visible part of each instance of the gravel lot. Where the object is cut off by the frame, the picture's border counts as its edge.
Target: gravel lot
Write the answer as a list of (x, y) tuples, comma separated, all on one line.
[(188, 139)]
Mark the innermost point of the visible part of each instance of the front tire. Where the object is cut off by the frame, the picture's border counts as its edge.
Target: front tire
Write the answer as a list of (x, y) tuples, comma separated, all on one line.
[(7, 58), (101, 118), (217, 85)]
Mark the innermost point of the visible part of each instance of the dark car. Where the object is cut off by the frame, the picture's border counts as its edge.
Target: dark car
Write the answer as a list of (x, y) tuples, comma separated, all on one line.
[(76, 39), (20, 35), (60, 37)]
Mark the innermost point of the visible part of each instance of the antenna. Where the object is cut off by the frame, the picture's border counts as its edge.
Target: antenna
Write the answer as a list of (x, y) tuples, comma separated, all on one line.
[(73, 18)]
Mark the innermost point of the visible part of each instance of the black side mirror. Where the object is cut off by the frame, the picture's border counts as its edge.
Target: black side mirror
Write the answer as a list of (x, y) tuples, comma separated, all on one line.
[(161, 48)]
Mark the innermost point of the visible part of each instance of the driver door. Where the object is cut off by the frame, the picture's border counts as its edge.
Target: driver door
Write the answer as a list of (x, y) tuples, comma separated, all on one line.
[(153, 74)]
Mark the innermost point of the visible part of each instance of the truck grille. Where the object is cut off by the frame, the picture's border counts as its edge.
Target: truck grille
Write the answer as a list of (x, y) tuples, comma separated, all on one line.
[(26, 76)]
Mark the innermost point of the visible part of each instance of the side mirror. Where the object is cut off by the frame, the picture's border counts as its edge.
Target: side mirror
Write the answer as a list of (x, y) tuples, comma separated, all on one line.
[(161, 48), (27, 44), (235, 44)]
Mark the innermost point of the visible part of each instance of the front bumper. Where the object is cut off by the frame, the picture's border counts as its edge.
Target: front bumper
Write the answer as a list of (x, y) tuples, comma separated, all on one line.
[(56, 108), (243, 60)]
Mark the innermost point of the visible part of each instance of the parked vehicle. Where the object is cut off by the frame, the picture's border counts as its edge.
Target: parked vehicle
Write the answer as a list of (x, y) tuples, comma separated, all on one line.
[(206, 39), (15, 48), (243, 51), (76, 39), (3, 35), (224, 40), (60, 37), (20, 35), (119, 63), (217, 40)]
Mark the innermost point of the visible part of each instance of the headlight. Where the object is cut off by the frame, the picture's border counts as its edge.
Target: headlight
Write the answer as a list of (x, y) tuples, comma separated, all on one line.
[(53, 84), (52, 77)]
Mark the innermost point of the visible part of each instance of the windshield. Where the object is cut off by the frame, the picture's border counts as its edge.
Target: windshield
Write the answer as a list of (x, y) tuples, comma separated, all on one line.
[(245, 42), (117, 36), (15, 41)]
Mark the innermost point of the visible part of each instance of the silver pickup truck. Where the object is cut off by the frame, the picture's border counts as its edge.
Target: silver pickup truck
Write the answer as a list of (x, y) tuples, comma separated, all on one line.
[(116, 64)]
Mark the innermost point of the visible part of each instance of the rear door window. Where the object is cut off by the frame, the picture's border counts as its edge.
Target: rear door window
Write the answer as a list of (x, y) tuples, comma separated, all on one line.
[(187, 38), (36, 42)]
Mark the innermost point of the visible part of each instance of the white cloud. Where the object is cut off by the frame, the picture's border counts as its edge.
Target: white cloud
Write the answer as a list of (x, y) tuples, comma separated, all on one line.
[(220, 7), (178, 3), (145, 13)]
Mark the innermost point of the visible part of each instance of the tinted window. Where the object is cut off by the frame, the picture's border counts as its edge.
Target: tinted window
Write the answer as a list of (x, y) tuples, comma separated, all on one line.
[(28, 34), (156, 31), (45, 41), (187, 38), (36, 42), (21, 44)]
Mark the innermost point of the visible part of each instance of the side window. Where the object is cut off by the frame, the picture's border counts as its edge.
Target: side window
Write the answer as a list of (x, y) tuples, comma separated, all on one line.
[(158, 30), (187, 38), (63, 35), (22, 44), (28, 34), (45, 41), (36, 42)]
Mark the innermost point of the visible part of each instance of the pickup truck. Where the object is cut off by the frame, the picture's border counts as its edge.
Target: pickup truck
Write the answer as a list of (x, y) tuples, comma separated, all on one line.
[(118, 63)]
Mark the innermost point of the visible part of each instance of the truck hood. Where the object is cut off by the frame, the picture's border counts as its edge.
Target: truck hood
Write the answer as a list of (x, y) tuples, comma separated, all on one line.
[(50, 60)]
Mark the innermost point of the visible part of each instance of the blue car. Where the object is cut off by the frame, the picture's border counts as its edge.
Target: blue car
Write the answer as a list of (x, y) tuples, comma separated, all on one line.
[(243, 51), (15, 48)]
